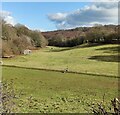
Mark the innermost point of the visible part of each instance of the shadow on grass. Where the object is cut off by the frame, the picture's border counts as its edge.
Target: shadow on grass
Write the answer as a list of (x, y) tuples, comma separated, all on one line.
[(106, 49), (106, 58), (75, 47), (110, 49), (60, 50)]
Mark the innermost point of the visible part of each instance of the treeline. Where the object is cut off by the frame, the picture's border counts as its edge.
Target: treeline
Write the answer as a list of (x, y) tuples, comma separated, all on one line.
[(98, 34), (103, 34), (61, 41), (15, 39)]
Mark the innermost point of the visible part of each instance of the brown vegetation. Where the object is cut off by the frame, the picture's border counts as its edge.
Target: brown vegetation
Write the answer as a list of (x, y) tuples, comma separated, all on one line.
[(18, 38), (97, 34)]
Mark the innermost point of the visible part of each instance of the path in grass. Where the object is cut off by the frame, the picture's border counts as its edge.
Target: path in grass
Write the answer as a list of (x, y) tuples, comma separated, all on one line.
[(97, 60), (60, 92)]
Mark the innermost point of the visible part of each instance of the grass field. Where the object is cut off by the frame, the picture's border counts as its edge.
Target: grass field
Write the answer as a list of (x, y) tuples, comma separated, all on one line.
[(60, 92), (65, 92), (97, 59)]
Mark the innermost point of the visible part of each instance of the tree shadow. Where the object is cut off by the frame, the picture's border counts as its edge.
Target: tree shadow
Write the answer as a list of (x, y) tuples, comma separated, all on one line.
[(58, 50), (91, 45), (106, 49), (110, 49), (75, 47), (106, 58)]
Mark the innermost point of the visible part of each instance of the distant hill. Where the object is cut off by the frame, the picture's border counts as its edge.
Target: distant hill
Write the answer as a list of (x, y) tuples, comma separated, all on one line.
[(97, 34), (18, 38)]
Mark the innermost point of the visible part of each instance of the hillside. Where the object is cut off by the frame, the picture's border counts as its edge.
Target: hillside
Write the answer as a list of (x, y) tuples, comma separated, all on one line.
[(15, 39), (97, 34)]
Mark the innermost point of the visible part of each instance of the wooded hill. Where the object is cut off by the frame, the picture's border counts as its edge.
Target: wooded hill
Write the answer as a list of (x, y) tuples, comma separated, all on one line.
[(19, 38), (73, 37)]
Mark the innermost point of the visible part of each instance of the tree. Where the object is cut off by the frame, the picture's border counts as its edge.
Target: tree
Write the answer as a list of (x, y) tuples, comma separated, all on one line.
[(39, 40), (57, 40)]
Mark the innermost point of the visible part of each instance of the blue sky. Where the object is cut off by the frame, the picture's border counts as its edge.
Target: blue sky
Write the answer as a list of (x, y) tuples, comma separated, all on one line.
[(34, 15), (59, 15)]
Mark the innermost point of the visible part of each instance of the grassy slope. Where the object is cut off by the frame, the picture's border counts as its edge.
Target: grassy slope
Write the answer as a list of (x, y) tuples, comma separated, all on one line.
[(60, 92), (103, 59), (53, 88)]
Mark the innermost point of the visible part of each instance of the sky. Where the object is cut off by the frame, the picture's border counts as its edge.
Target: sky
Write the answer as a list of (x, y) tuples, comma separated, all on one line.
[(48, 16)]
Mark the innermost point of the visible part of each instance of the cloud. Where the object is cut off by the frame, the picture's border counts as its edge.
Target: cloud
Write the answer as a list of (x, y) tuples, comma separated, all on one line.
[(7, 17), (96, 13), (40, 30), (58, 17)]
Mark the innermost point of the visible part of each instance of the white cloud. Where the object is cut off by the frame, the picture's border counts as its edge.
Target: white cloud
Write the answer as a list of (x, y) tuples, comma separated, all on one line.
[(58, 17), (39, 29), (97, 12), (7, 16), (42, 30)]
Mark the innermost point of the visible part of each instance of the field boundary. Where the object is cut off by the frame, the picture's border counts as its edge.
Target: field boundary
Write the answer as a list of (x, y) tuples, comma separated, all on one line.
[(62, 71)]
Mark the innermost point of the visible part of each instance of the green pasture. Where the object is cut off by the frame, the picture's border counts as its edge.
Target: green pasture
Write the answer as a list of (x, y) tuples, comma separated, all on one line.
[(64, 92), (101, 59), (59, 92)]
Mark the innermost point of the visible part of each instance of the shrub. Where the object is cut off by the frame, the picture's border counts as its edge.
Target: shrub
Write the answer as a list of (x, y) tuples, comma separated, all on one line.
[(39, 40), (100, 108)]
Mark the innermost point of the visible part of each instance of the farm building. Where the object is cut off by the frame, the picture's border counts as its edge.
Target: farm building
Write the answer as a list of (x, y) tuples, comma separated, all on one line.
[(27, 51)]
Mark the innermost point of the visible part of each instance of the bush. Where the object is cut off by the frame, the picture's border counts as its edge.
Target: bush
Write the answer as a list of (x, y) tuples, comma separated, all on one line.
[(39, 40), (12, 101), (100, 109), (8, 97)]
